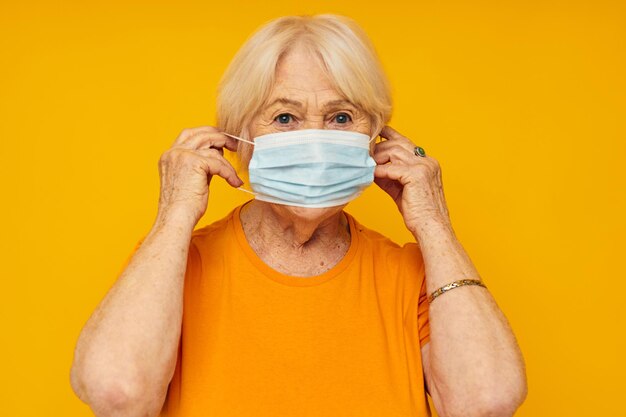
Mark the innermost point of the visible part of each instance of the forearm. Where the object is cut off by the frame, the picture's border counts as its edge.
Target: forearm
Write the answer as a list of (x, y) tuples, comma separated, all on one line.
[(475, 360), (127, 350)]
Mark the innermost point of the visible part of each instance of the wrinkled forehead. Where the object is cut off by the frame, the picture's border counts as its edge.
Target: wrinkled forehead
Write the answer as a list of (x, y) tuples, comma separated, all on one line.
[(302, 81)]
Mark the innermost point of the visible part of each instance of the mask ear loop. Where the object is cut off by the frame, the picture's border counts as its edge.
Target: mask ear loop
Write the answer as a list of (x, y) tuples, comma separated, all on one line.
[(242, 140), (237, 137)]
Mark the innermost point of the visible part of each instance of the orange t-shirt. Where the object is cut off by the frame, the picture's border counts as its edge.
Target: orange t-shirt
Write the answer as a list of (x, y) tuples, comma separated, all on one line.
[(256, 342)]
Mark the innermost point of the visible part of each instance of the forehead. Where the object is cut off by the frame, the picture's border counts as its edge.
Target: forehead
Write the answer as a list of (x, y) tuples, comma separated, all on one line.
[(299, 73)]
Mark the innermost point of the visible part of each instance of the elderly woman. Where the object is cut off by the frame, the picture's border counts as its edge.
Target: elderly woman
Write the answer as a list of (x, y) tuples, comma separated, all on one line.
[(289, 306)]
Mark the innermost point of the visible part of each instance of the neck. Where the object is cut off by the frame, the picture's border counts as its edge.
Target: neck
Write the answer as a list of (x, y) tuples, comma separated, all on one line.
[(293, 228)]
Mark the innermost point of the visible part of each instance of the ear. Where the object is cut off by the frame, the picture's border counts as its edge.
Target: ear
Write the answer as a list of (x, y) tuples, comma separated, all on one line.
[(377, 126)]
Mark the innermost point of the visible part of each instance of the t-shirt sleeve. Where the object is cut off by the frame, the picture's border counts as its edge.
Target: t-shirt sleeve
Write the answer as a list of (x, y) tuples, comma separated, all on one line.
[(423, 325), (413, 265)]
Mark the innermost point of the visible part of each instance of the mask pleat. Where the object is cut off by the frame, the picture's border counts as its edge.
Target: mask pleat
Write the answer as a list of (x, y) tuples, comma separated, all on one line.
[(311, 168)]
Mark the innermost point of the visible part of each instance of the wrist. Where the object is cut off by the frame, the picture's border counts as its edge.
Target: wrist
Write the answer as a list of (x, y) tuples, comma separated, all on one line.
[(430, 225), (173, 218)]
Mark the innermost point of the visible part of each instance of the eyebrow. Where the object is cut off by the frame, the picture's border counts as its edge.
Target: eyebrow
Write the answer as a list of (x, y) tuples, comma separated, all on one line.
[(337, 103), (285, 100)]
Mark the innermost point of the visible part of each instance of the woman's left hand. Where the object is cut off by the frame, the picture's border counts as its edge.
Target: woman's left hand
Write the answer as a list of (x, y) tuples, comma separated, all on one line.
[(412, 181)]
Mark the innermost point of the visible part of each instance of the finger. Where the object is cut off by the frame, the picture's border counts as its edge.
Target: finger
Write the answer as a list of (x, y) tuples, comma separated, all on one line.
[(395, 154), (390, 133), (399, 149), (205, 139), (217, 140), (400, 173), (387, 143), (231, 144), (219, 150), (185, 134), (218, 165)]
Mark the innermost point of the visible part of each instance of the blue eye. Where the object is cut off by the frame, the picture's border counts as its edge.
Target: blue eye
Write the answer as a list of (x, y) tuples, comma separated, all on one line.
[(283, 118), (342, 118)]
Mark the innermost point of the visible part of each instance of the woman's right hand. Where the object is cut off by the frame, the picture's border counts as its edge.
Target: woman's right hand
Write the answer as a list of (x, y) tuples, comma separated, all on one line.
[(186, 170)]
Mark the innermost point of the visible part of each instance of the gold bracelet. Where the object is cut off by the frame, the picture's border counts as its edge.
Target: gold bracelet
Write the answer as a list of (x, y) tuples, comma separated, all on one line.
[(455, 284)]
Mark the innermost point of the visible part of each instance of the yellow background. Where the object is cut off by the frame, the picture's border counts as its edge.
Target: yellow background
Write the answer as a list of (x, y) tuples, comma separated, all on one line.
[(521, 102)]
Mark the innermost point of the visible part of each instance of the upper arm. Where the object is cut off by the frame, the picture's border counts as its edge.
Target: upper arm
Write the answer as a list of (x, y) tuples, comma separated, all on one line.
[(431, 387)]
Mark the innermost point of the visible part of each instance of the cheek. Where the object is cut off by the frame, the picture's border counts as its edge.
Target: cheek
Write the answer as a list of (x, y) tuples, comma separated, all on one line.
[(244, 154), (258, 126)]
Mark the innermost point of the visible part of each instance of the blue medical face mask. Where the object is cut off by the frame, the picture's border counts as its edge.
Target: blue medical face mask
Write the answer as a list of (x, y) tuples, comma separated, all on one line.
[(310, 168)]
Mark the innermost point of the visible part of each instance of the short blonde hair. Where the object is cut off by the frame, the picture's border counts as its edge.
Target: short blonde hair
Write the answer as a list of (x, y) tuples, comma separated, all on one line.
[(345, 52)]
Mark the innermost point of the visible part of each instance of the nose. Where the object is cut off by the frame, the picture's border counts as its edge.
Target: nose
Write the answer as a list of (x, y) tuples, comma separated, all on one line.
[(314, 122)]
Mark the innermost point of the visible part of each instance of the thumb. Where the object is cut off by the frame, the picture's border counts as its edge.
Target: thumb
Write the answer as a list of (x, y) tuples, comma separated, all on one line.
[(391, 187)]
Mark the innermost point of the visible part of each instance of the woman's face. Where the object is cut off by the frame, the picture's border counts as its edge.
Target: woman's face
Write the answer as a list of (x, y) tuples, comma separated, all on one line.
[(304, 98)]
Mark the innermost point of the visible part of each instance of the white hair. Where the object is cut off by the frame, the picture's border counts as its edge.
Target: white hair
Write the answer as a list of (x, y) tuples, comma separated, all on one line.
[(347, 56)]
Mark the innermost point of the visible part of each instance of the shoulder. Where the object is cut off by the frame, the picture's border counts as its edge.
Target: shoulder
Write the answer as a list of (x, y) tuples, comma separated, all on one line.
[(214, 241), (396, 268), (208, 245), (383, 249), (371, 236), (213, 231)]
